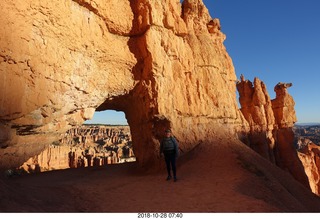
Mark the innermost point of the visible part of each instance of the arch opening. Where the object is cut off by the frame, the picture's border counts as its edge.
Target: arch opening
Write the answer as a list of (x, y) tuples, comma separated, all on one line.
[(103, 140)]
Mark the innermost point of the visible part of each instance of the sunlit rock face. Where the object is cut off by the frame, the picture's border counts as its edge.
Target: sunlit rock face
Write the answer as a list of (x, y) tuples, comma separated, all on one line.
[(271, 125), (309, 155), (285, 117), (161, 62), (256, 107)]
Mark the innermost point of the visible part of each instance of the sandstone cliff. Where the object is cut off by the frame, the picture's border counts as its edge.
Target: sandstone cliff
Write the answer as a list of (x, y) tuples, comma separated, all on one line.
[(309, 155), (161, 62), (271, 125)]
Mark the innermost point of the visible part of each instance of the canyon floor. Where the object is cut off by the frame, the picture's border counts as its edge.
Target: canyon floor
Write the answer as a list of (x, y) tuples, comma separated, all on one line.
[(221, 176)]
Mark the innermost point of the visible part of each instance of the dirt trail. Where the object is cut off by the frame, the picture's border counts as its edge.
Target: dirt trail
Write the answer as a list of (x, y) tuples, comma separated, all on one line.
[(223, 176)]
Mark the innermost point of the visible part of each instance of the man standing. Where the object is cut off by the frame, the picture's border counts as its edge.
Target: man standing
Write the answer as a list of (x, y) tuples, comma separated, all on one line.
[(169, 147)]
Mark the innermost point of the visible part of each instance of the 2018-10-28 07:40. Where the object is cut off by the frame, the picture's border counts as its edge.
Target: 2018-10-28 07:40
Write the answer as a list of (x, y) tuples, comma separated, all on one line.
[(160, 215)]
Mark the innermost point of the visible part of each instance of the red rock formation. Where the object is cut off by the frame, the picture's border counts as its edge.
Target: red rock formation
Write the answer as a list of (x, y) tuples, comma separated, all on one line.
[(271, 123), (162, 63), (257, 110), (285, 116), (309, 155), (283, 106), (53, 157)]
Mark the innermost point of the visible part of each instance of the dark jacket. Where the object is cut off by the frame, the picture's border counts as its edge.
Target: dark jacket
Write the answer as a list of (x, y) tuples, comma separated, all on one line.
[(169, 145)]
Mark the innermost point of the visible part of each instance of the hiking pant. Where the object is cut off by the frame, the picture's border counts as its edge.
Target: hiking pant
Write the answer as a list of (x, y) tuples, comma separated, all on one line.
[(170, 159)]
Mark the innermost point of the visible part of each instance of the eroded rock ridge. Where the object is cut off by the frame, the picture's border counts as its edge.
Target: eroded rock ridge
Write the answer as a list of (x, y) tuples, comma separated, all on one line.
[(271, 125)]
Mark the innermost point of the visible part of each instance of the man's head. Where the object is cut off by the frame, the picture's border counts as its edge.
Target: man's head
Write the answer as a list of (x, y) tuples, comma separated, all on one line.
[(168, 133)]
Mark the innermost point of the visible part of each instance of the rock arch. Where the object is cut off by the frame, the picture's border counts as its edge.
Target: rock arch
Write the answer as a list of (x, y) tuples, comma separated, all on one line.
[(162, 63)]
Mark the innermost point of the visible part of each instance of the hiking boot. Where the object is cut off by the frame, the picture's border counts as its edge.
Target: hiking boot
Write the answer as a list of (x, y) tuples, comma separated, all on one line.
[(168, 178)]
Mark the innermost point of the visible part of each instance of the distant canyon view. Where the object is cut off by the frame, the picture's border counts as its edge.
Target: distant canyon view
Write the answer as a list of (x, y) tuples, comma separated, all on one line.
[(84, 146)]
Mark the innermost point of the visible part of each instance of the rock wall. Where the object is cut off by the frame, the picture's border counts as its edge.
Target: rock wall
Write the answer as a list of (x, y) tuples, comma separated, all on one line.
[(309, 154), (58, 62), (161, 62), (271, 125), (256, 107)]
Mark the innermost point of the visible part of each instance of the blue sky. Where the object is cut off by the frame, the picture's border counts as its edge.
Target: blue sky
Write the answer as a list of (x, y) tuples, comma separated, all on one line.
[(110, 117), (274, 40)]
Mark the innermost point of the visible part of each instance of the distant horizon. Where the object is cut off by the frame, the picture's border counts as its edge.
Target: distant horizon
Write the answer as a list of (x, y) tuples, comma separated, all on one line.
[(103, 118), (307, 123)]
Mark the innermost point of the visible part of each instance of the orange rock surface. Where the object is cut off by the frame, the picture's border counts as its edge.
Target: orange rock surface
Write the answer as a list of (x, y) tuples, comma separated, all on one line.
[(271, 123), (161, 62), (310, 158)]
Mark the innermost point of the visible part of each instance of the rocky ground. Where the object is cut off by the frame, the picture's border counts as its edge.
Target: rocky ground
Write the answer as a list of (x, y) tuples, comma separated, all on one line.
[(223, 176)]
